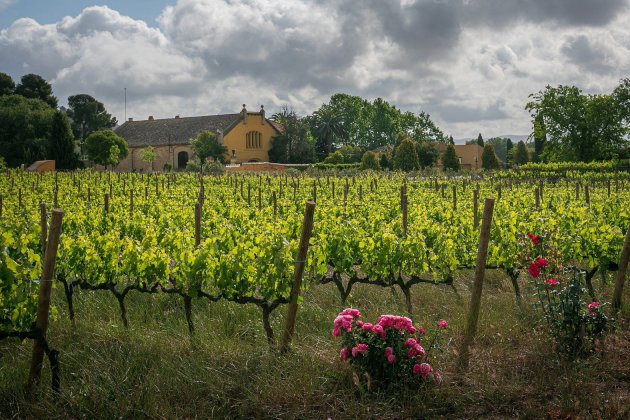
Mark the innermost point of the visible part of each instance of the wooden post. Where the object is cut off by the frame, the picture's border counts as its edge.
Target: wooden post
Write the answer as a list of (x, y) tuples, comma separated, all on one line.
[(454, 198), (43, 223), (403, 205), (106, 204), (249, 194), (537, 197), (476, 208), (19, 197), (587, 196), (360, 194), (608, 186), (540, 189), (130, 201), (475, 301), (307, 229), (89, 195), (577, 191), (275, 204), (621, 272), (197, 223), (314, 192), (55, 199), (43, 305), (259, 197), (0, 206)]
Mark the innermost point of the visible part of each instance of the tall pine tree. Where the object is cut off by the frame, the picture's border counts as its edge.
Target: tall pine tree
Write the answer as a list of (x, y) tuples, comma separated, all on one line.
[(450, 161), (489, 158)]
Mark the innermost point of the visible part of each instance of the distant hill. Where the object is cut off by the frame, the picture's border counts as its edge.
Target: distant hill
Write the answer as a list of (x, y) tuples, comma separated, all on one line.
[(514, 137)]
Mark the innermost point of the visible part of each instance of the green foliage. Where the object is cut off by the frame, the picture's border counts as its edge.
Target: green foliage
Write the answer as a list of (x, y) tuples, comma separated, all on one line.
[(428, 154), (489, 160), (450, 160), (106, 148), (351, 154), (61, 147), (521, 154), (7, 86), (215, 168), (571, 126), (88, 115), (206, 145), (148, 155), (370, 161), (502, 146), (354, 121), (296, 143), (385, 161), (35, 87), (25, 132), (334, 158), (3, 164), (405, 156)]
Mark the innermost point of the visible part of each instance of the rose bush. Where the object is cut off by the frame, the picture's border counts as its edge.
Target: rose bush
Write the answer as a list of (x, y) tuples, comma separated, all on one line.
[(559, 295), (390, 352)]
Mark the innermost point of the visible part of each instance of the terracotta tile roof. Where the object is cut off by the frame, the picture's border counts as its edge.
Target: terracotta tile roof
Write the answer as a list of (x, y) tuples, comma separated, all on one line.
[(173, 130)]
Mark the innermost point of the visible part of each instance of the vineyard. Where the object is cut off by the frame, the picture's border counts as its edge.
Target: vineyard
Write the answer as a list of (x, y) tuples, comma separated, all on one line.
[(234, 239)]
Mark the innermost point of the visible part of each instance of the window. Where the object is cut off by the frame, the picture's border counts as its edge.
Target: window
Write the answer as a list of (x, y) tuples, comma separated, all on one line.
[(253, 140)]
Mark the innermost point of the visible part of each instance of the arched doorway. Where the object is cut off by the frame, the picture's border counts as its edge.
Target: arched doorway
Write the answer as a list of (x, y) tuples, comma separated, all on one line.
[(182, 160)]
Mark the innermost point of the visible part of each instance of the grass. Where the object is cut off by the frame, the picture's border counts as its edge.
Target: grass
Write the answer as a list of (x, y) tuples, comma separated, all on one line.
[(153, 370)]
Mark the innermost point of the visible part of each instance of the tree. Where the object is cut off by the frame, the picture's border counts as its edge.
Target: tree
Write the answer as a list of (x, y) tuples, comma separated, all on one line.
[(450, 160), (521, 154), (35, 87), (326, 125), (88, 115), (106, 148), (148, 155), (7, 86), (480, 140), (500, 145), (24, 129), (489, 160), (351, 154), (428, 155), (571, 126), (61, 143), (335, 158), (295, 144), (385, 161), (405, 156), (369, 161), (206, 145), (509, 146)]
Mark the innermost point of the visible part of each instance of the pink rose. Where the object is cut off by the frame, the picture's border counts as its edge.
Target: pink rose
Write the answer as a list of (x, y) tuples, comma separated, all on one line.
[(359, 323), (389, 351), (592, 307), (437, 377), (412, 330), (425, 370), (421, 330), (443, 324), (352, 312), (378, 330), (416, 369), (335, 332), (367, 326), (359, 349), (410, 342), (344, 354), (391, 359)]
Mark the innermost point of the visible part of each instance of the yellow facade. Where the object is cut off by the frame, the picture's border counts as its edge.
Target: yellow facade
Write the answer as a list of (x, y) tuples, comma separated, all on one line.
[(249, 140)]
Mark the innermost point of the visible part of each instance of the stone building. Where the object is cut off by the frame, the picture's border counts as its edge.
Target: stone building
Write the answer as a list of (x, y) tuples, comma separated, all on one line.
[(247, 136), (469, 155)]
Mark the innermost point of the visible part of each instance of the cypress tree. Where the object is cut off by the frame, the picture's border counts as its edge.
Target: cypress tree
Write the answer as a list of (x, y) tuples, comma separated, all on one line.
[(521, 154), (450, 159), (489, 158), (61, 143), (480, 140)]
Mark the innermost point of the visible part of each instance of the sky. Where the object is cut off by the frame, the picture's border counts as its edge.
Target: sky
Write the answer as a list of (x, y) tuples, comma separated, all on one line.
[(470, 64)]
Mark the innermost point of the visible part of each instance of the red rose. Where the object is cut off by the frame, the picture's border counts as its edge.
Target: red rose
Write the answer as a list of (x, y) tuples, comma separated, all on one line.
[(541, 262), (534, 270)]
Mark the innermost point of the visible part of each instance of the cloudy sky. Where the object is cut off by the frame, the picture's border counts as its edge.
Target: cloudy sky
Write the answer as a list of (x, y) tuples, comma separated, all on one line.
[(469, 63)]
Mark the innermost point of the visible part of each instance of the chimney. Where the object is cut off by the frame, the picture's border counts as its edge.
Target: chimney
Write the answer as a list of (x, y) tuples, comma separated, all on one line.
[(220, 136), (150, 117), (130, 119), (177, 117), (244, 114), (262, 114)]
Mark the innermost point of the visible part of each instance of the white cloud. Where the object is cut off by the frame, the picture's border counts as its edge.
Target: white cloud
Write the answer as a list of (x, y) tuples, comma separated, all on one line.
[(209, 56)]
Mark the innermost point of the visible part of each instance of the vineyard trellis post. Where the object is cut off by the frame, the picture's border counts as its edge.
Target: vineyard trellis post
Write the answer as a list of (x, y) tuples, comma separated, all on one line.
[(621, 272), (300, 263), (475, 301), (43, 305)]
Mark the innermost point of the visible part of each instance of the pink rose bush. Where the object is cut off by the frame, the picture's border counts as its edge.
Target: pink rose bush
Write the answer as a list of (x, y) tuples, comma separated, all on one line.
[(392, 351), (559, 296)]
